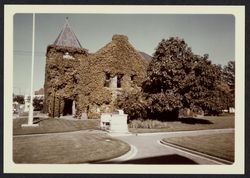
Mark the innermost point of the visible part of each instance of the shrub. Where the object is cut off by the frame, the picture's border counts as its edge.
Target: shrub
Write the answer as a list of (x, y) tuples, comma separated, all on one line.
[(133, 104), (19, 99), (38, 104), (147, 124)]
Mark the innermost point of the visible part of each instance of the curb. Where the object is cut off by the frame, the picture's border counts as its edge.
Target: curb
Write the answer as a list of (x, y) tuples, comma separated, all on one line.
[(185, 131), (213, 158), (130, 154)]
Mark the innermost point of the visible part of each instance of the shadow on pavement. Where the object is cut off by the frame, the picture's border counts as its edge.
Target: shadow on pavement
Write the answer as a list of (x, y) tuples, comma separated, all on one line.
[(191, 120), (167, 159)]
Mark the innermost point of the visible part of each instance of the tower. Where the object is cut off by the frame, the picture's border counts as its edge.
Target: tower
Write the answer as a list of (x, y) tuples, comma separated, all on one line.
[(61, 73)]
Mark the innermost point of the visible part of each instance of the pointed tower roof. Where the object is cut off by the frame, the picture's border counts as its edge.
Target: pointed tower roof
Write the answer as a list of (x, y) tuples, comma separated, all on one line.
[(67, 37)]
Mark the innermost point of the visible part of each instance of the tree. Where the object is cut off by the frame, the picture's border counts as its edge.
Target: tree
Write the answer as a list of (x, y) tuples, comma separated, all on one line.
[(19, 99), (229, 78), (38, 104), (229, 74), (177, 78)]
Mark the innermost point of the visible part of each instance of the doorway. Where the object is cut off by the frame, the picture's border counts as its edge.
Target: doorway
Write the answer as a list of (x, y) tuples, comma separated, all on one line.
[(67, 109)]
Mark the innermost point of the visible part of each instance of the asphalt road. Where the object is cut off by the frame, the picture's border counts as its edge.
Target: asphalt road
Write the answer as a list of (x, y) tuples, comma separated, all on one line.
[(147, 149)]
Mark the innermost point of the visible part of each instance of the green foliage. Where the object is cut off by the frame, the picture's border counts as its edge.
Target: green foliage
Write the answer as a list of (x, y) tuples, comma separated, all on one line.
[(229, 74), (19, 99), (177, 78), (133, 104), (147, 124), (229, 78), (38, 104)]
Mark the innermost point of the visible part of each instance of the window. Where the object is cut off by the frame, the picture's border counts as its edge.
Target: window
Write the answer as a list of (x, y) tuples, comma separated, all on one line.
[(107, 80), (133, 77), (119, 79), (67, 56)]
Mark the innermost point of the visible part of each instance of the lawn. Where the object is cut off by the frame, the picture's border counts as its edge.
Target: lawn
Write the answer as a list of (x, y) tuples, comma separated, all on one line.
[(219, 145), (73, 147), (183, 124), (54, 125)]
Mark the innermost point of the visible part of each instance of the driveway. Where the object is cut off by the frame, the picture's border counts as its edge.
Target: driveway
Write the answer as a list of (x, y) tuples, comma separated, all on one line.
[(147, 149)]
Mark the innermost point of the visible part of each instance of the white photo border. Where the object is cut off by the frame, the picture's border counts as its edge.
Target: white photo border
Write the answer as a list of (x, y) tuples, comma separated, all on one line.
[(239, 165)]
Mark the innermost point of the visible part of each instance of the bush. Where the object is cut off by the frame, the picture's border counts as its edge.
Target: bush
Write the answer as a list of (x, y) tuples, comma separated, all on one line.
[(19, 99), (147, 124), (133, 104), (38, 104)]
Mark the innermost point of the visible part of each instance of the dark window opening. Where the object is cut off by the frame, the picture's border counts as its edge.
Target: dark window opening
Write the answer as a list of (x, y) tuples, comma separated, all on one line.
[(67, 109), (74, 80), (119, 79), (133, 77), (107, 76), (107, 80)]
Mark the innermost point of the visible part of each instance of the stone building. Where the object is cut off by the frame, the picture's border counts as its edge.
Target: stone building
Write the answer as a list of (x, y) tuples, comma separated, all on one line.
[(81, 84)]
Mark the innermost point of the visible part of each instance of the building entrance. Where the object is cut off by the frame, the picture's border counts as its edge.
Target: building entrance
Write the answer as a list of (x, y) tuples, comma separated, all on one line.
[(68, 104)]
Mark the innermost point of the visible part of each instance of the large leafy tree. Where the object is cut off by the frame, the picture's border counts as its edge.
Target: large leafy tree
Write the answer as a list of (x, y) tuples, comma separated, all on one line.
[(177, 78)]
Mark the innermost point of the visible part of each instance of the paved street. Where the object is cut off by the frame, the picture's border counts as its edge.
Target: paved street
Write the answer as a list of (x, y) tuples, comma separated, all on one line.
[(147, 149)]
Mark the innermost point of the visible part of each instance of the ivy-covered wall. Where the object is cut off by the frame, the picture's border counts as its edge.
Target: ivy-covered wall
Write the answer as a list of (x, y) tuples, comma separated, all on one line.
[(83, 78), (117, 58), (61, 77)]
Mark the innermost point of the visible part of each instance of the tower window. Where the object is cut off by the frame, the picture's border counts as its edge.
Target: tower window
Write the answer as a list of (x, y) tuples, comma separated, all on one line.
[(133, 77), (67, 56), (107, 80)]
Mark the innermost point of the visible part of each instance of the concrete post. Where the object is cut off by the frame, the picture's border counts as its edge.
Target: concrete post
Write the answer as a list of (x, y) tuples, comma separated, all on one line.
[(73, 108)]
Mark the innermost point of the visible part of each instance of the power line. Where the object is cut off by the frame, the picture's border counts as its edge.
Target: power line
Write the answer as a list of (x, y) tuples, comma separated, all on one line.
[(25, 53)]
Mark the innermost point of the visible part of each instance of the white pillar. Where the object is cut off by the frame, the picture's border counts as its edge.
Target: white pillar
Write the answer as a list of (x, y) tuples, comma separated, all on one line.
[(30, 119), (73, 108), (26, 103), (113, 82)]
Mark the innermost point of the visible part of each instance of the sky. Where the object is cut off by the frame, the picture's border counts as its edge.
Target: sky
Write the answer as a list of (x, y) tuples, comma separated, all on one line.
[(205, 34)]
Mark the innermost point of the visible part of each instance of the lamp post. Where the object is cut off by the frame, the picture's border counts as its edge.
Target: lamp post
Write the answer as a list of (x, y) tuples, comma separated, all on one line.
[(30, 119)]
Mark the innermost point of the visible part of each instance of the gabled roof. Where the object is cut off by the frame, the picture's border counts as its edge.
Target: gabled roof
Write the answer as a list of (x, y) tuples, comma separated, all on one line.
[(119, 56), (67, 37), (146, 56)]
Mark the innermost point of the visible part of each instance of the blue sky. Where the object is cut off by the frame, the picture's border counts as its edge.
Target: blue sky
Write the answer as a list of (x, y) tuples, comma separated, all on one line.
[(211, 34)]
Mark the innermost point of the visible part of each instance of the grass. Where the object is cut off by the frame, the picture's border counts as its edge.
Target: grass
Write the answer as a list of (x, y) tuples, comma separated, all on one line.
[(219, 145), (136, 126), (183, 124), (54, 126), (62, 148)]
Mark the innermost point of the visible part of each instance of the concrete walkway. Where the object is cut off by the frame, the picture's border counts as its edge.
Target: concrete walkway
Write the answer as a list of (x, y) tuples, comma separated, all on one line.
[(147, 149)]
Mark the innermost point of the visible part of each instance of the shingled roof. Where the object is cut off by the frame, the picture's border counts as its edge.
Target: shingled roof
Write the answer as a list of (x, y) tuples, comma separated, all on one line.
[(67, 37)]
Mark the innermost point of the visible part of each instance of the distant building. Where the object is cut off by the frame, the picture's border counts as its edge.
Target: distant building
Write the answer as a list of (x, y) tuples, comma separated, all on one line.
[(39, 92), (79, 83)]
